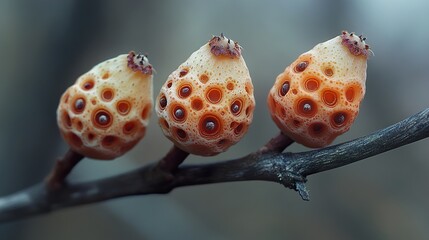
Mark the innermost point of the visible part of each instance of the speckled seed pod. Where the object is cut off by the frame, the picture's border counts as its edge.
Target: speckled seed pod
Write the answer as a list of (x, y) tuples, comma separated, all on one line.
[(105, 113), (317, 97), (207, 104)]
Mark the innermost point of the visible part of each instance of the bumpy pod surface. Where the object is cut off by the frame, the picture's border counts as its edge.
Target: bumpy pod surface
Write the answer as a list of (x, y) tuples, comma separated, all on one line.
[(317, 97), (106, 111), (207, 104)]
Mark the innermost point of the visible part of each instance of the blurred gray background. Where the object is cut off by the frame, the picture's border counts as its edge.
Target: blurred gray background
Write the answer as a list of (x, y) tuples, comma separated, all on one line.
[(46, 45)]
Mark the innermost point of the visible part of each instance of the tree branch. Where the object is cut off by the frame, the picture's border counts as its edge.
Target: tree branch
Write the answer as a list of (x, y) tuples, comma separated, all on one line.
[(267, 164)]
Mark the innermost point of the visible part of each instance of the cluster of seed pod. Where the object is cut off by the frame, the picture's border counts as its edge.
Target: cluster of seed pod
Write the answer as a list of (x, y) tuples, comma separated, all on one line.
[(206, 105)]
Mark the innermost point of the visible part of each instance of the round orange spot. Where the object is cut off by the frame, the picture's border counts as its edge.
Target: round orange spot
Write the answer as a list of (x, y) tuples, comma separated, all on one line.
[(311, 84), (249, 111), (204, 78), (109, 141), (91, 136), (306, 107), (329, 98), (317, 129), (106, 75), (79, 125), (185, 91), (197, 104), (233, 125), (123, 107), (129, 127), (164, 123), (209, 125), (328, 71), (66, 119), (102, 118), (294, 91), (248, 87), (350, 94), (107, 94), (146, 111), (296, 122), (230, 86), (239, 128), (214, 95)]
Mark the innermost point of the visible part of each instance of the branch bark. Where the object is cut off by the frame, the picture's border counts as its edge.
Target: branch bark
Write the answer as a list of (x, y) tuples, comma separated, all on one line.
[(267, 164)]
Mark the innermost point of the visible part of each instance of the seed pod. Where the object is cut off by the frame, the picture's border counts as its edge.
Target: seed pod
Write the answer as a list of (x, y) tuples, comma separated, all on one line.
[(207, 104), (106, 112), (317, 97)]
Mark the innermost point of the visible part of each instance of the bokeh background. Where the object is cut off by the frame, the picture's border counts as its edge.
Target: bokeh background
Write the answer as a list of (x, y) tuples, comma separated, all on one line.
[(45, 45)]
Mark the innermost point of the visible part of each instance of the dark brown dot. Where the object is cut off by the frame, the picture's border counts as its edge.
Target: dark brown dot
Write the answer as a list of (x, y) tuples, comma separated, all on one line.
[(285, 88), (301, 66), (181, 133), (102, 119), (185, 91), (163, 102), (88, 85), (169, 84), (129, 127), (209, 125), (306, 107), (204, 78), (79, 105), (109, 141), (179, 113), (236, 107), (339, 118), (329, 72), (183, 72), (317, 129)]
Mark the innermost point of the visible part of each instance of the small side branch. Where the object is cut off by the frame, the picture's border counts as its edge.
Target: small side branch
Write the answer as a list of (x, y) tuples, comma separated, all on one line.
[(267, 164)]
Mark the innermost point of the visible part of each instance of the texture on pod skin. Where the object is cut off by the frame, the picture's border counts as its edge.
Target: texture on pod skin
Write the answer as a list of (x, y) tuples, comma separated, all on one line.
[(207, 103), (106, 111), (317, 97)]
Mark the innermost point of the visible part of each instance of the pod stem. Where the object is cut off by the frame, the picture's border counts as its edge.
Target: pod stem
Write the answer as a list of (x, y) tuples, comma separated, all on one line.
[(171, 161), (62, 168)]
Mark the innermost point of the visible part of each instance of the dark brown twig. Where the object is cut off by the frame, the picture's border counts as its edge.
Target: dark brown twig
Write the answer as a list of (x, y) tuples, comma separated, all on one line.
[(288, 169)]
